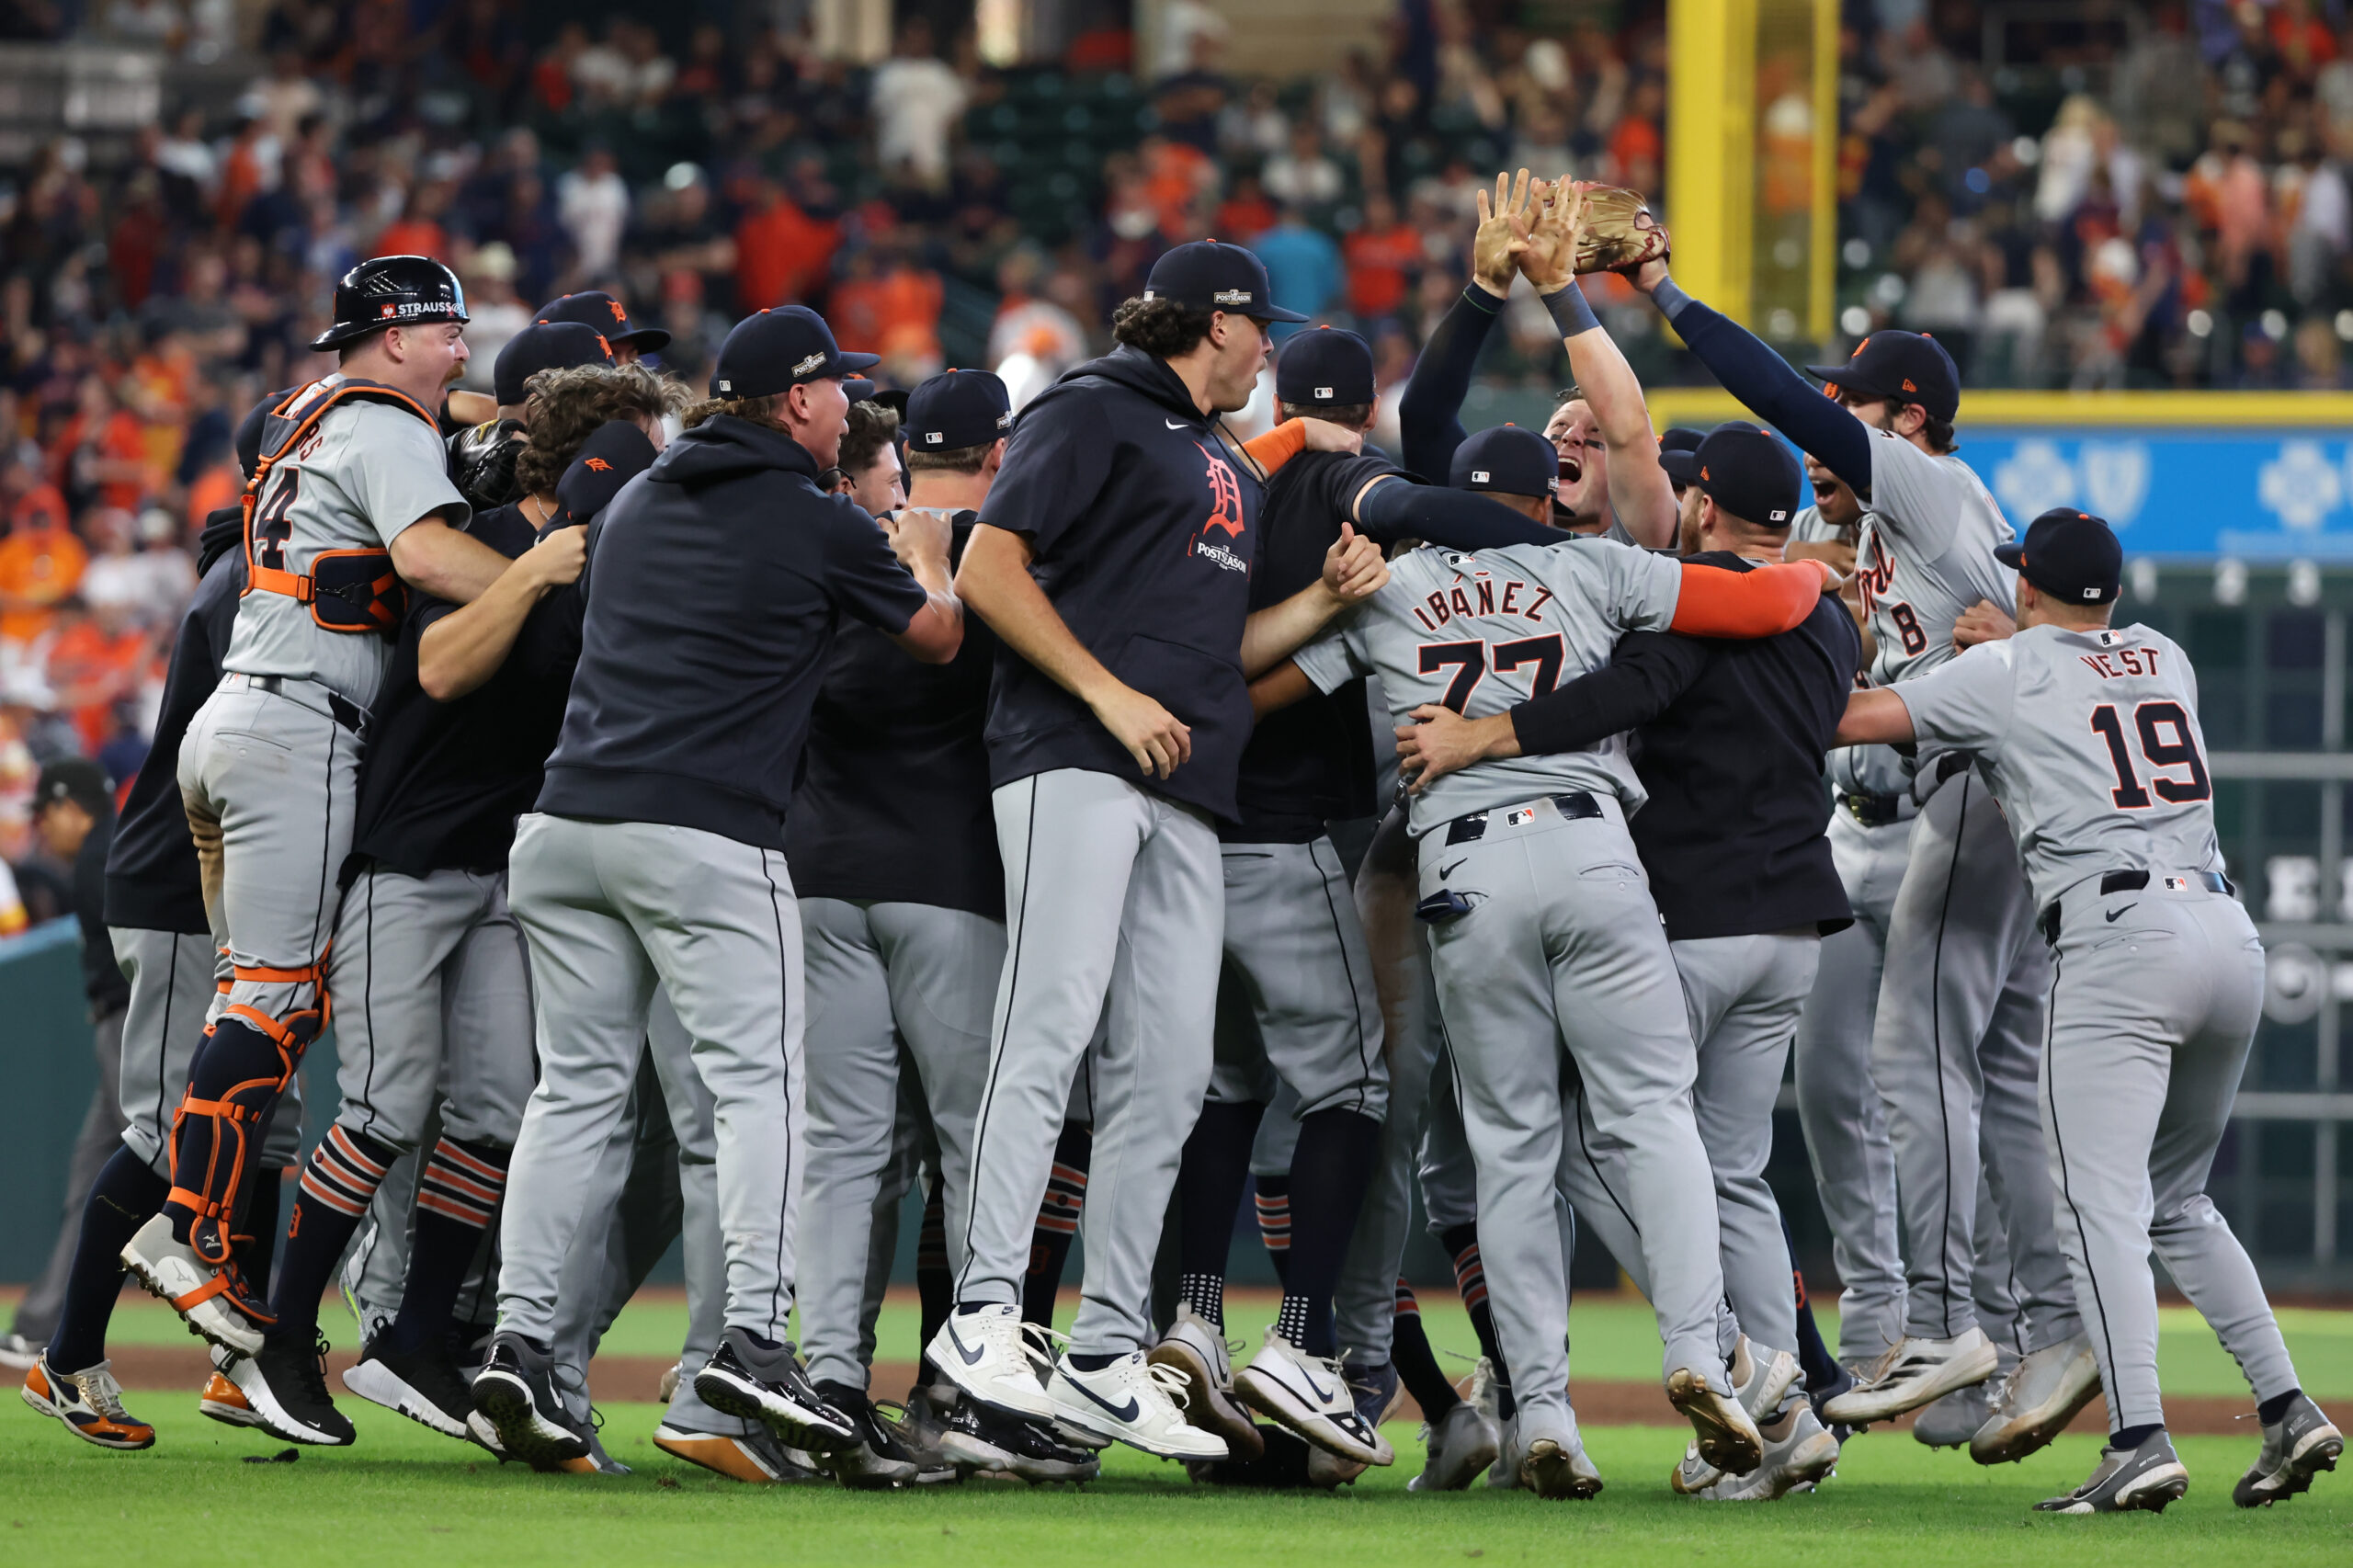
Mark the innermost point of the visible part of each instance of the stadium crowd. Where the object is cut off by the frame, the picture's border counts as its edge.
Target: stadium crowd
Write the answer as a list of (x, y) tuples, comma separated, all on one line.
[(2162, 199)]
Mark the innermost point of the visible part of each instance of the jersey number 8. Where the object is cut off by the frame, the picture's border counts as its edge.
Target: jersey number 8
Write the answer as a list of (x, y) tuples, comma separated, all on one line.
[(2151, 719)]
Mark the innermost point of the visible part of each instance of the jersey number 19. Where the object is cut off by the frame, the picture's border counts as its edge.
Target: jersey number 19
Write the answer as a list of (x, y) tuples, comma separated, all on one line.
[(2151, 720)]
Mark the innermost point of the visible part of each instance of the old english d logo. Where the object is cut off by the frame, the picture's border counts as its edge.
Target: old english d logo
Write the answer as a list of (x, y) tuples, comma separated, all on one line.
[(1226, 496)]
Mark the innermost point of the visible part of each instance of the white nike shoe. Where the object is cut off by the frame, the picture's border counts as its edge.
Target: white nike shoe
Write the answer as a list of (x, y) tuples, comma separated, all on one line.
[(1762, 1381), (985, 1354), (1131, 1402), (2040, 1396), (1196, 1348), (1461, 1444), (1799, 1452), (1911, 1375), (1310, 1396)]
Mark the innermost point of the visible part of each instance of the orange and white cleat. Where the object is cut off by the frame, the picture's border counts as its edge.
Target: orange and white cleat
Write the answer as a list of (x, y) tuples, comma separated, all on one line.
[(222, 1400), (89, 1403)]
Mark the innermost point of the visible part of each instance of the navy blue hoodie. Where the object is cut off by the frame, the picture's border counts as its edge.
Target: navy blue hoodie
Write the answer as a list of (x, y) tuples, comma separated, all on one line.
[(1141, 521), (716, 581)]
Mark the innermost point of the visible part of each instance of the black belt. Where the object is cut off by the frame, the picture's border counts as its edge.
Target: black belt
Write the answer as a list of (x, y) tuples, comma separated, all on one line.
[(1574, 806), (348, 713), (1873, 811), (2134, 882)]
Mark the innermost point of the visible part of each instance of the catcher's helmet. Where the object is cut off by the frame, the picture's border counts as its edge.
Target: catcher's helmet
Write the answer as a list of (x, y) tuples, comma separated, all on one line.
[(392, 291)]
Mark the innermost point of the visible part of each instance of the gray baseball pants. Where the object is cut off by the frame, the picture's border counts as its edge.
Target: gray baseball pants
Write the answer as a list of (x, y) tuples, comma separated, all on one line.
[(2156, 992), (1117, 907), (882, 977), (1839, 1106), (612, 909), (1953, 1044), (174, 977), (1559, 972)]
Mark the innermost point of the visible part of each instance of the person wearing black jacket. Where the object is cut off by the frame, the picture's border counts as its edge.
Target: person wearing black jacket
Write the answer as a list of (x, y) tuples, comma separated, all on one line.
[(715, 585), (1114, 560), (1731, 737), (169, 953)]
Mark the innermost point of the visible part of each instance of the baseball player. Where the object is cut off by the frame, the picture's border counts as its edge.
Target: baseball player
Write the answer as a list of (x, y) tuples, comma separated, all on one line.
[(350, 501), (1114, 560), (655, 852), (1301, 1011), (893, 853), (1952, 1031), (1498, 842), (1731, 737), (436, 1011), (2090, 739), (595, 308), (157, 924)]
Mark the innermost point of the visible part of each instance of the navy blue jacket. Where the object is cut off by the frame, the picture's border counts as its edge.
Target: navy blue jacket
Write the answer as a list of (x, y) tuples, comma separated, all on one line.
[(716, 582)]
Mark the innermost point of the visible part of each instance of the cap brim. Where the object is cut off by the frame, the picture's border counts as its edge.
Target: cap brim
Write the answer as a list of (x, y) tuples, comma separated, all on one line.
[(1275, 312), (1682, 467), (1844, 377), (2012, 555), (645, 339), (851, 363), (857, 389)]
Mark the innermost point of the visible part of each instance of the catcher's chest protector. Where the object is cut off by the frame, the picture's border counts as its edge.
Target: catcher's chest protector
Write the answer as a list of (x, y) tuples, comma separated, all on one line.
[(346, 590)]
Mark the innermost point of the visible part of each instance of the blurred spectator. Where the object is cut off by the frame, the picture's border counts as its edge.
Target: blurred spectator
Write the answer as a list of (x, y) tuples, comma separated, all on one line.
[(917, 98), (1382, 254), (780, 250), (887, 304), (594, 204), (1303, 175), (41, 559), (1303, 265)]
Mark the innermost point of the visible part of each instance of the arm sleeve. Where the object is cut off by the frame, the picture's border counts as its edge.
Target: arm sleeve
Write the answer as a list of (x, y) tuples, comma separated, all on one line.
[(1430, 413), (1455, 518), (1330, 660), (1762, 603), (1054, 467), (1966, 702), (397, 471), (1277, 445), (1648, 671), (863, 576), (1778, 394)]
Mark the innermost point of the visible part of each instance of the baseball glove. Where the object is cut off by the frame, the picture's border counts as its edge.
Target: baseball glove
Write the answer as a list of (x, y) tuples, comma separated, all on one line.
[(1619, 232), (482, 462)]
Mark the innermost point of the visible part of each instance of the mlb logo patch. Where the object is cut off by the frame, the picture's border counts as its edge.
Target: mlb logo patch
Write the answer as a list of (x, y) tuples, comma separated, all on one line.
[(934, 438), (1519, 818), (1322, 394), (1479, 476), (1004, 419), (2176, 884), (2091, 593)]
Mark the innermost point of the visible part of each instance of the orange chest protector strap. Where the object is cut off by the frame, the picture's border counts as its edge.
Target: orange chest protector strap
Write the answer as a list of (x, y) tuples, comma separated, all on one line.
[(346, 590)]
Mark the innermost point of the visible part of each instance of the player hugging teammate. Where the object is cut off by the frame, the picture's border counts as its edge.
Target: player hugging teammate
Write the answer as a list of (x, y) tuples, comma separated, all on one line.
[(715, 835)]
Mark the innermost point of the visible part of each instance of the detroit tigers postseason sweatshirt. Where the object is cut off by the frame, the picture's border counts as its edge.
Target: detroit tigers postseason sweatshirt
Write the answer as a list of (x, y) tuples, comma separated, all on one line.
[(1142, 524)]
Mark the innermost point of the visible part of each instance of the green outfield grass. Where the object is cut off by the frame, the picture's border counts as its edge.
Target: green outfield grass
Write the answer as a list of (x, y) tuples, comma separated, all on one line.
[(1612, 1337), (404, 1496)]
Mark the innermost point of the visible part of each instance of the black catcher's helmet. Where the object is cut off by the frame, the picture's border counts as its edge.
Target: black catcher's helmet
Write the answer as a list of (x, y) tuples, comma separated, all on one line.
[(392, 291)]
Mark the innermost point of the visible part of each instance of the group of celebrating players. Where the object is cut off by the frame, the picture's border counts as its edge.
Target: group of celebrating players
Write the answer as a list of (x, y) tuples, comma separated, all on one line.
[(713, 835)]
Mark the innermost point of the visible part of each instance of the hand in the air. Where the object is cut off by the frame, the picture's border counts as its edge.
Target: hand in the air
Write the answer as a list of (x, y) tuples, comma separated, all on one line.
[(1492, 264), (1355, 567)]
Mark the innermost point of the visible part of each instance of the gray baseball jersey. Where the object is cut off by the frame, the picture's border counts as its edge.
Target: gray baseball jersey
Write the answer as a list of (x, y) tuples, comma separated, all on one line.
[(1926, 555), (2090, 741), (1483, 632), (363, 476)]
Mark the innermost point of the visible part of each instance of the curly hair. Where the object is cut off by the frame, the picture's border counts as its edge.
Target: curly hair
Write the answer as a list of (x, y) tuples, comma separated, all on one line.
[(873, 429), (562, 408), (1162, 328), (753, 410)]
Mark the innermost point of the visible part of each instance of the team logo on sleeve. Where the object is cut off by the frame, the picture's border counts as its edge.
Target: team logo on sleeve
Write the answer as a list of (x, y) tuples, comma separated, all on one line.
[(1226, 515)]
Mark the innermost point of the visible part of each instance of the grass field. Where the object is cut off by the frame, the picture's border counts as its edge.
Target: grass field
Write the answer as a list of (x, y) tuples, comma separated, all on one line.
[(404, 1496)]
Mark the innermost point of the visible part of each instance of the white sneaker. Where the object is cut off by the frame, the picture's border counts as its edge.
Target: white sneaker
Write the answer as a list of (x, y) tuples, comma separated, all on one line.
[(170, 1270), (1310, 1396), (1196, 1348), (1504, 1473), (1762, 1381), (1693, 1475), (1799, 1452), (1131, 1402), (985, 1354), (1463, 1442), (1911, 1375), (2037, 1400)]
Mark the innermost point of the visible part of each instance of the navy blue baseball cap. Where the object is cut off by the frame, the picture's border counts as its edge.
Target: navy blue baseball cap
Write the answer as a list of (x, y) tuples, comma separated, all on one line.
[(615, 452), (544, 345), (1901, 367), (594, 307), (1331, 367), (2071, 556), (780, 348), (1681, 439), (957, 409), (1208, 276), (1742, 469), (1506, 459)]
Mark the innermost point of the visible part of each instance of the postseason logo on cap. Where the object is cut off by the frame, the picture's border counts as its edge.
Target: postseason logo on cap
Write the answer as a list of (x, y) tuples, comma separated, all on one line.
[(1232, 295), (807, 363)]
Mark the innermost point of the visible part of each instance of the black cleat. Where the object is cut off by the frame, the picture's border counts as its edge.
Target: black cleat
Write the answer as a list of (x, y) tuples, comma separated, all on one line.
[(754, 1382), (424, 1385), (515, 1395), (286, 1386), (2147, 1477), (2297, 1446), (976, 1439)]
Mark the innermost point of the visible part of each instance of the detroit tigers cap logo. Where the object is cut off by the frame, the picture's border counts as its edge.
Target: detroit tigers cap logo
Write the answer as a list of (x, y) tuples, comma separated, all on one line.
[(619, 314), (601, 465)]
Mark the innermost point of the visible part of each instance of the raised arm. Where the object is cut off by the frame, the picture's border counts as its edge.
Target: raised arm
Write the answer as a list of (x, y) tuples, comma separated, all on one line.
[(1430, 414), (1545, 246), (1764, 381)]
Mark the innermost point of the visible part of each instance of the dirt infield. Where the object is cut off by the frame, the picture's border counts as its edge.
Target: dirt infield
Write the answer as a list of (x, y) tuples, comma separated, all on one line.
[(1599, 1403)]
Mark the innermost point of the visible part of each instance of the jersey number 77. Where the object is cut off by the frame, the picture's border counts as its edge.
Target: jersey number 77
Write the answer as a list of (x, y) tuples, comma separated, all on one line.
[(1471, 661)]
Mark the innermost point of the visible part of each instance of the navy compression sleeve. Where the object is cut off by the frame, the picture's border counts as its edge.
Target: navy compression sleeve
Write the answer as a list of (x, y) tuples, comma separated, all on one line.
[(1397, 509), (1430, 414), (1646, 673), (1771, 390)]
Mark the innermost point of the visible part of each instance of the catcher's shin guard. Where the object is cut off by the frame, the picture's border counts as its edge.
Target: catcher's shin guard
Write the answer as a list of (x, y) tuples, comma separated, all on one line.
[(242, 1066)]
